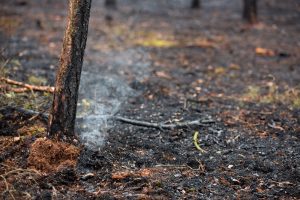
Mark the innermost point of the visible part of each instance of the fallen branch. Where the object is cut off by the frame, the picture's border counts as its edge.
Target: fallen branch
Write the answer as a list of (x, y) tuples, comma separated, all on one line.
[(163, 125), (13, 89), (27, 86), (44, 116)]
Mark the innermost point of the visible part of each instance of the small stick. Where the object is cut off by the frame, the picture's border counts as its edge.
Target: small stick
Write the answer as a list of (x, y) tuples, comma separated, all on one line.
[(162, 125), (28, 86)]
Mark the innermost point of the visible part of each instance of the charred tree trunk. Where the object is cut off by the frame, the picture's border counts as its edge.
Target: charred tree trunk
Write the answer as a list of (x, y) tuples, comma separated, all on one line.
[(250, 11), (110, 3), (196, 4), (63, 113)]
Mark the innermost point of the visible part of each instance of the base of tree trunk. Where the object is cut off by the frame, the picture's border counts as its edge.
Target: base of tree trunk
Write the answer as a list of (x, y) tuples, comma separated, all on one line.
[(250, 11)]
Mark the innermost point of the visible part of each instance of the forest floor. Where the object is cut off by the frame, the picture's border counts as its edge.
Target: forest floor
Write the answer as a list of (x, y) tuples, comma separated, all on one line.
[(160, 62)]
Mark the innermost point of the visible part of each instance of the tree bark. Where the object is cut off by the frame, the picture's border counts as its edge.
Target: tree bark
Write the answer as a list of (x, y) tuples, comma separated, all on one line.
[(196, 4), (63, 113), (250, 11)]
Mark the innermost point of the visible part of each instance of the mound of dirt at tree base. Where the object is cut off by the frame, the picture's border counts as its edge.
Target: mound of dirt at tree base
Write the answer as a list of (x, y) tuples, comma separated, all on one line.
[(52, 156)]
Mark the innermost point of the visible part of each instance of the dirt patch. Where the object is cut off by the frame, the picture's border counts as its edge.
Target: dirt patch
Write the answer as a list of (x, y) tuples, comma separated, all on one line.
[(51, 156)]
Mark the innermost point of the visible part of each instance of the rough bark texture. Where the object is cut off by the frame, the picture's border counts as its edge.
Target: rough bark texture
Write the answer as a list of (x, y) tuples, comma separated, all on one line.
[(63, 113), (250, 11), (196, 4), (111, 3)]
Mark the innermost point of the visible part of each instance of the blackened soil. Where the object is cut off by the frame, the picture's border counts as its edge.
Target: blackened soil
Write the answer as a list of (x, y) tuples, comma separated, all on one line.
[(205, 64)]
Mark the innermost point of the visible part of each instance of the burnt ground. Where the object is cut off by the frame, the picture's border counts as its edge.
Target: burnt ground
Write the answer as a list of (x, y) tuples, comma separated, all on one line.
[(181, 65)]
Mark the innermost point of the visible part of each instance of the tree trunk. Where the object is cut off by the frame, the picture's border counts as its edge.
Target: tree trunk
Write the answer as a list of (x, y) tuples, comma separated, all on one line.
[(110, 3), (250, 11), (63, 113), (196, 4)]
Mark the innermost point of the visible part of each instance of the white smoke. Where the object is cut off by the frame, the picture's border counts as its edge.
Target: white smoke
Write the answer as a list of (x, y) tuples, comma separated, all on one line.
[(99, 98), (103, 90)]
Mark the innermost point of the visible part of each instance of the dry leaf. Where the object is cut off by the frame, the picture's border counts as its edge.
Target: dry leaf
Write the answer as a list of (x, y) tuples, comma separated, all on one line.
[(220, 70), (264, 52), (234, 67), (202, 43), (259, 190), (145, 172), (121, 175), (162, 74), (150, 96), (276, 126)]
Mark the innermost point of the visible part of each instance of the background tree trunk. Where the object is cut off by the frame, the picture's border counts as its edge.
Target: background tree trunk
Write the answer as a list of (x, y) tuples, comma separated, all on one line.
[(196, 4), (250, 11), (110, 3), (63, 112)]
